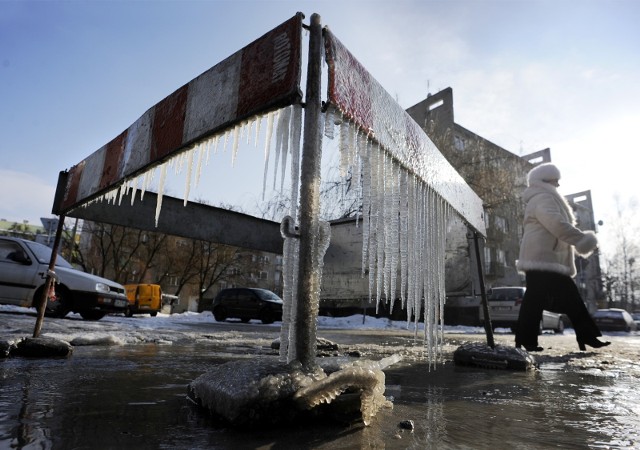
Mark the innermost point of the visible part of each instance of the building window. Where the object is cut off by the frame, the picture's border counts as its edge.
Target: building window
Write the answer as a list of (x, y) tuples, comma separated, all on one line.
[(500, 257), (458, 143), (501, 224), (487, 260)]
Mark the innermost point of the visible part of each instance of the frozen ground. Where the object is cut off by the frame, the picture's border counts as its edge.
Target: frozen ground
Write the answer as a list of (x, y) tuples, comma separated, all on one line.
[(576, 399), (368, 335)]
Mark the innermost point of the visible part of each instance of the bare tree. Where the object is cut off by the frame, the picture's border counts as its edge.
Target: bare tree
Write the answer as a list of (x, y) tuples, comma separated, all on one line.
[(119, 253), (620, 272), (214, 263)]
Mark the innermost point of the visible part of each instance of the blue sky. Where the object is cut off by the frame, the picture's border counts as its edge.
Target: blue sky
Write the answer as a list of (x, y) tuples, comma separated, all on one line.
[(525, 74)]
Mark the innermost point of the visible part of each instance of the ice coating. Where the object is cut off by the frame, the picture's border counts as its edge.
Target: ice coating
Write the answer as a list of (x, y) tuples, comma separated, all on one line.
[(267, 390), (290, 285), (240, 390), (366, 376)]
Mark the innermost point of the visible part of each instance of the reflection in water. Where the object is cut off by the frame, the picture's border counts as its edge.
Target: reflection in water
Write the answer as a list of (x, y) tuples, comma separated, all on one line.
[(135, 397)]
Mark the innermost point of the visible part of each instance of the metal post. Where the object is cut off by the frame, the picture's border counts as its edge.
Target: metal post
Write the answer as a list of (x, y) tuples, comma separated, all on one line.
[(308, 273), (42, 303), (488, 328)]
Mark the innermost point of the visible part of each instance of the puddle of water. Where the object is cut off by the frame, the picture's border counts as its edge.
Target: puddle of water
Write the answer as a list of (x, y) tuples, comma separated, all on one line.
[(135, 397)]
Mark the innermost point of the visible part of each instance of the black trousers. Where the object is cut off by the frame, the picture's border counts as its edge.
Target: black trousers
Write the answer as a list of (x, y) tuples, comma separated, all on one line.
[(556, 293)]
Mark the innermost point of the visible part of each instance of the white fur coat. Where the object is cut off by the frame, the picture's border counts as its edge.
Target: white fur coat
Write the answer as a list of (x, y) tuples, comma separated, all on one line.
[(550, 235)]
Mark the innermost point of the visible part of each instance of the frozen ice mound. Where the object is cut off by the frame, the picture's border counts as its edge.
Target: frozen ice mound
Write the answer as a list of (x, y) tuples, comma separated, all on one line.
[(268, 391)]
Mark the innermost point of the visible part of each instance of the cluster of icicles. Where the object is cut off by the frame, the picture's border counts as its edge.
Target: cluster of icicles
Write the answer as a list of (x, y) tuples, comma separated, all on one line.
[(404, 224), (403, 220), (286, 123)]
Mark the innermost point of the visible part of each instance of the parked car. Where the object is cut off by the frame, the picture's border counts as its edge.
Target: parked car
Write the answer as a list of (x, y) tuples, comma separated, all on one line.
[(636, 318), (614, 319), (504, 307), (23, 268), (246, 304)]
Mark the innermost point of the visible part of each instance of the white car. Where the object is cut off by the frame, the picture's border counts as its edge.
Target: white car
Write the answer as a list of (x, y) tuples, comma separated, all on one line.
[(504, 308), (23, 268)]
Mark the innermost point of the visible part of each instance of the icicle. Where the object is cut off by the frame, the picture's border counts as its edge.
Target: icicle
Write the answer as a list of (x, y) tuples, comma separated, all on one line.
[(257, 137), (199, 164), (163, 175), (366, 204), (187, 186), (295, 158), (287, 137), (227, 133), (235, 144), (133, 190), (267, 149), (404, 234), (329, 122), (380, 228), (282, 141), (344, 149), (394, 231), (373, 225)]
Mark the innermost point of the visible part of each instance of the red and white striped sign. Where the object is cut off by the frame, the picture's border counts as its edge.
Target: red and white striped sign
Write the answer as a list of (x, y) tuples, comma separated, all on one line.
[(263, 75)]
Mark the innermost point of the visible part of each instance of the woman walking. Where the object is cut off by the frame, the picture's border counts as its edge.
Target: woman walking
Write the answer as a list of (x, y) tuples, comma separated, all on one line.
[(547, 250)]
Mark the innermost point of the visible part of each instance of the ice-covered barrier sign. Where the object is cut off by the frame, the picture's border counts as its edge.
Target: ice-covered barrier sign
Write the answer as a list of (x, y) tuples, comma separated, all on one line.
[(408, 190)]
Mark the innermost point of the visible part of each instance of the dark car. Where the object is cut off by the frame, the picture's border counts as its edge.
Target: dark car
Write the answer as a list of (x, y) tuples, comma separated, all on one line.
[(614, 319), (246, 304), (23, 268)]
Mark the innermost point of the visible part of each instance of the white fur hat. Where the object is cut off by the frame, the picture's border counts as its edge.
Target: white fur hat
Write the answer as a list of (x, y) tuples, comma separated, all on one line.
[(543, 172)]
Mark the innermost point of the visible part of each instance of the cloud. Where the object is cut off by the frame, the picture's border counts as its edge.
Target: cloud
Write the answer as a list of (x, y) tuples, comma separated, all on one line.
[(24, 197)]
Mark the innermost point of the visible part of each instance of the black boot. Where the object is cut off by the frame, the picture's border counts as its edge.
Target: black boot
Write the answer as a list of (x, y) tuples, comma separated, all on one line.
[(591, 342)]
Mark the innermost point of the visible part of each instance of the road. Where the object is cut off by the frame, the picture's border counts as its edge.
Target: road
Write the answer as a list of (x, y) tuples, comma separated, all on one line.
[(125, 387)]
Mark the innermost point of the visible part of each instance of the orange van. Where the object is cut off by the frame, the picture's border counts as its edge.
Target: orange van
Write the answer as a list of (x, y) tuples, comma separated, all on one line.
[(143, 299)]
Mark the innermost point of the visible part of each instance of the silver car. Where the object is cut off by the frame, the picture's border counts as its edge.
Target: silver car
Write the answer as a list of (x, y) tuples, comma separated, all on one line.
[(23, 268)]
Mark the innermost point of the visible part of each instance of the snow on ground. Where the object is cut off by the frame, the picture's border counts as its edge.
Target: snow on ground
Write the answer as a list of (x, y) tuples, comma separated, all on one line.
[(169, 328), (357, 321)]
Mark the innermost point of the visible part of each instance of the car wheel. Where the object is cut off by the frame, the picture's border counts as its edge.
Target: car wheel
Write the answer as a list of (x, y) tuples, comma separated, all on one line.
[(92, 315), (220, 314), (58, 308), (128, 312), (560, 328), (153, 314), (266, 316)]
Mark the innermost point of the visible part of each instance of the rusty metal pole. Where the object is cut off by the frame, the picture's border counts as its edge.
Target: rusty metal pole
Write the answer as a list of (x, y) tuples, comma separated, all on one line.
[(42, 303), (488, 327), (308, 272)]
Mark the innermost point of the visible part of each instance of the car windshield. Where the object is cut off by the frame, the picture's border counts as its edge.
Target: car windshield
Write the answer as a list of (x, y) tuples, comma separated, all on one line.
[(43, 254), (610, 314), (505, 294), (267, 295)]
